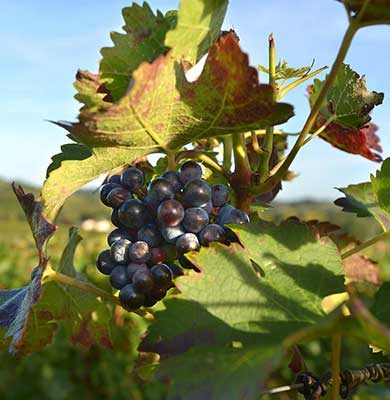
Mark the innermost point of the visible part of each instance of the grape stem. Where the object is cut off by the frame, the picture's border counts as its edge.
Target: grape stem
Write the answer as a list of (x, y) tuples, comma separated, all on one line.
[(197, 155), (364, 245), (273, 180), (89, 288), (265, 154), (335, 363), (227, 152)]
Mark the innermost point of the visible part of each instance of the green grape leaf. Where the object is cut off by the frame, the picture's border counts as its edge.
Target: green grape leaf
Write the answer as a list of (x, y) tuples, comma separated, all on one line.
[(361, 200), (89, 91), (165, 111), (74, 167), (198, 27), (348, 101), (284, 71), (29, 316), (381, 187), (376, 13), (226, 310), (143, 41)]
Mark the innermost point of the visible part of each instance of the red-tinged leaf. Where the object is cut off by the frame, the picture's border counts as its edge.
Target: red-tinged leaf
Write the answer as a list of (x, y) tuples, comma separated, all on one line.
[(362, 141), (29, 316), (297, 362), (348, 103)]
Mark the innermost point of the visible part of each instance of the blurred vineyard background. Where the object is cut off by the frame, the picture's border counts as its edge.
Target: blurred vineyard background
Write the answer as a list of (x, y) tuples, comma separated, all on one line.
[(63, 371)]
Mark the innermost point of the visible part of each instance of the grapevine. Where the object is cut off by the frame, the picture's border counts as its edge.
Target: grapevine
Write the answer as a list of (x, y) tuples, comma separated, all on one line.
[(208, 296)]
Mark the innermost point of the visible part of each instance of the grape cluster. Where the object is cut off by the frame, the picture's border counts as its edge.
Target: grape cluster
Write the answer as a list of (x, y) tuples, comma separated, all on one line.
[(179, 212)]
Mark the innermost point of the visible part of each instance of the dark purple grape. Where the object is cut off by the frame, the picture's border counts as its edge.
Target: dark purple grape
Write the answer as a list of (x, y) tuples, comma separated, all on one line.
[(175, 269), (219, 195), (139, 252), (159, 190), (211, 233), (170, 213), (149, 301), (187, 242), (196, 193), (117, 234), (171, 233), (118, 196), (223, 212), (157, 293), (157, 255), (133, 213), (173, 178), (115, 219), (104, 262), (195, 219), (162, 276), (119, 251), (130, 299), (132, 268), (190, 171), (132, 179), (115, 179), (143, 281), (150, 234), (118, 277), (233, 216), (105, 189)]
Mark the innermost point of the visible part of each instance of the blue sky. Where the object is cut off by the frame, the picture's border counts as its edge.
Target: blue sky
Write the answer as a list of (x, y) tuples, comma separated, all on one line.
[(44, 42)]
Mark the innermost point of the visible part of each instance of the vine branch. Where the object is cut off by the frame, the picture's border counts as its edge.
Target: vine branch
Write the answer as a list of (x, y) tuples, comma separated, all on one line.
[(364, 245)]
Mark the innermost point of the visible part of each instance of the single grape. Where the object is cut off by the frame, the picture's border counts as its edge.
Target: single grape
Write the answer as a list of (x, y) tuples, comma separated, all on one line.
[(149, 301), (157, 255), (223, 212), (139, 252), (119, 251), (150, 234), (130, 299), (234, 216), (132, 268), (115, 219), (159, 190), (196, 193), (104, 262), (105, 189), (211, 233), (118, 277), (175, 269), (143, 281), (187, 242), (171, 233), (173, 178), (132, 179), (162, 276), (219, 195), (118, 196), (157, 293), (117, 234), (115, 179), (133, 213), (190, 171), (170, 213), (195, 219)]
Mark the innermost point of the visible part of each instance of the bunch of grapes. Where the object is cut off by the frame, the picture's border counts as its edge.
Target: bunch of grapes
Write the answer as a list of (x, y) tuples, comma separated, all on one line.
[(178, 213)]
